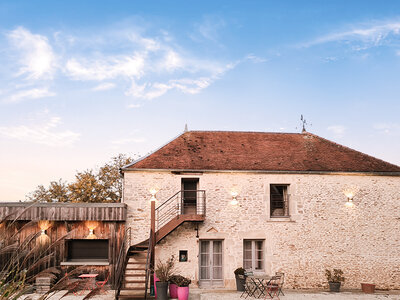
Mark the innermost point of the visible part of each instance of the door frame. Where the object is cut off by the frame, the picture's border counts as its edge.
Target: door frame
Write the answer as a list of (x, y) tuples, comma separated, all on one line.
[(209, 282)]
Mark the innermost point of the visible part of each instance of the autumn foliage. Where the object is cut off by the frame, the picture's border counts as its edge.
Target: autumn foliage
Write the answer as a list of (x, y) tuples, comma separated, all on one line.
[(102, 185)]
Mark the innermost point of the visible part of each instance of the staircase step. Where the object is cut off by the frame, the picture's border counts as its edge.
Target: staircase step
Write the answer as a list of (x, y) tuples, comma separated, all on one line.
[(141, 269), (134, 281), (135, 275)]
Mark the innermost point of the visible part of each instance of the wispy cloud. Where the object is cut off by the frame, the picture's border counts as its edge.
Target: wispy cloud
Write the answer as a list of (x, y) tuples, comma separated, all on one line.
[(145, 67), (104, 86), (337, 130), (388, 128), (45, 133), (36, 57), (186, 85), (366, 35), (27, 94), (209, 28)]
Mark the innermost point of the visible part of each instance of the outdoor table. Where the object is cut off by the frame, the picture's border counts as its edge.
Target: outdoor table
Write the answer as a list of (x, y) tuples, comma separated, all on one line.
[(90, 283), (260, 284)]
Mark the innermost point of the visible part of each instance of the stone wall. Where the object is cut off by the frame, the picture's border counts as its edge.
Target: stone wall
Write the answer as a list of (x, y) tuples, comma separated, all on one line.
[(363, 240)]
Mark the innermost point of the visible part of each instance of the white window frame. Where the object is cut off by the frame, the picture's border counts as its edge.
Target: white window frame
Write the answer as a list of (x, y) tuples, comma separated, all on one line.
[(253, 255)]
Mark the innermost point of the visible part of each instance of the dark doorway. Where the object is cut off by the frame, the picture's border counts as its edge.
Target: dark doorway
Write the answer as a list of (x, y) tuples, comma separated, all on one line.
[(189, 195)]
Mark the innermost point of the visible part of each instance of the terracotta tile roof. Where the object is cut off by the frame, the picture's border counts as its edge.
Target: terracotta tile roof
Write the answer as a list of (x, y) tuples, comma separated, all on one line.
[(227, 150)]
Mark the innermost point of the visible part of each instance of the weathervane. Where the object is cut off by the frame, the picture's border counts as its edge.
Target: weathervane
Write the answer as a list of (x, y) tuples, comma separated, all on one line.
[(304, 123)]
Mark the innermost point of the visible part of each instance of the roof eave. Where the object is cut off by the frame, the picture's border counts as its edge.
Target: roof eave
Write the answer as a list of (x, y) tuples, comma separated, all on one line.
[(369, 173)]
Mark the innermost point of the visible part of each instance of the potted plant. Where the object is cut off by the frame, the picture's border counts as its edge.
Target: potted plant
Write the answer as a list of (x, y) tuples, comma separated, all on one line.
[(163, 272), (335, 279), (240, 279), (173, 287), (183, 287)]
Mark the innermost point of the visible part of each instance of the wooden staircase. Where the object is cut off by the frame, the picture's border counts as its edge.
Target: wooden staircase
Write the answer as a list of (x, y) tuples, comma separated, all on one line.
[(169, 215), (134, 278)]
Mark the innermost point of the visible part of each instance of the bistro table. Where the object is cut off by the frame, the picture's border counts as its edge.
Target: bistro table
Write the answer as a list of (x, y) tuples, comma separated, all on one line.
[(90, 284), (260, 283)]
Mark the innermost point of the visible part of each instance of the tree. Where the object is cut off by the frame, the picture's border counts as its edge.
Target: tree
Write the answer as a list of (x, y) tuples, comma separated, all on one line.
[(102, 185)]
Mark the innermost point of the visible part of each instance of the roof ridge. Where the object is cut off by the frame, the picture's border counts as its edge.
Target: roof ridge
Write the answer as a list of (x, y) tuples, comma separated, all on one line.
[(238, 131), (346, 147)]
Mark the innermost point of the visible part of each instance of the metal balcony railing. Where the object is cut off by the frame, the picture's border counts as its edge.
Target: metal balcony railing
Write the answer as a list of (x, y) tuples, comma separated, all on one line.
[(185, 202), (279, 205)]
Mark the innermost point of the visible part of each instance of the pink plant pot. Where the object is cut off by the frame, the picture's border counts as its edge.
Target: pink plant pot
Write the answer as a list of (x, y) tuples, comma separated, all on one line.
[(155, 288), (183, 292), (173, 290)]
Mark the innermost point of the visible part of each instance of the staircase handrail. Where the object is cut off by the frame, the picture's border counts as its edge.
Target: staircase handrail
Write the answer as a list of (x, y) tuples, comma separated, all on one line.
[(172, 207), (120, 264), (149, 267)]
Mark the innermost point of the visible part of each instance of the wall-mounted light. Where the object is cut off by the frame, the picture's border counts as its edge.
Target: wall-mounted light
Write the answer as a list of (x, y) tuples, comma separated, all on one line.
[(349, 194), (44, 225), (91, 225), (234, 200), (153, 193)]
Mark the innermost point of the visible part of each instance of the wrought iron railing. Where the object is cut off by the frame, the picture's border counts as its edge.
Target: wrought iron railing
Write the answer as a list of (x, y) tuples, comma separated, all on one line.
[(120, 264), (185, 202), (279, 205)]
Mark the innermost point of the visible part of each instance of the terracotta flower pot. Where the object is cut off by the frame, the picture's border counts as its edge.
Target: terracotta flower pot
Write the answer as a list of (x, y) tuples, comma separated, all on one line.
[(368, 288), (183, 292)]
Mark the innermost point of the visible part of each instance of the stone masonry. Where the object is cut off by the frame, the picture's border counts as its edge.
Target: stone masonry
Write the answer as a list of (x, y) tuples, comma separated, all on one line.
[(363, 240)]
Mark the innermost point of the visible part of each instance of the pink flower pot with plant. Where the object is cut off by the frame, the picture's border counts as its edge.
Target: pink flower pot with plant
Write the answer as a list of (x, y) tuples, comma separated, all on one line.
[(173, 290), (183, 292)]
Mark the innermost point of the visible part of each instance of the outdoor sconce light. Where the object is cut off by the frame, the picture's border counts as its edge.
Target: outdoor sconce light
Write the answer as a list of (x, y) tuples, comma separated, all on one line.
[(91, 231), (349, 195), (234, 196), (43, 232), (153, 193)]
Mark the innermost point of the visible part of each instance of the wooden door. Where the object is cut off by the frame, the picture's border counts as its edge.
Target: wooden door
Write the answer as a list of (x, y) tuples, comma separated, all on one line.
[(189, 195), (211, 271)]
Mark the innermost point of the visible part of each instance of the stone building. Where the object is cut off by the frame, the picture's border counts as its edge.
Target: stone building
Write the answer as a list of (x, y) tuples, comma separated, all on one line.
[(295, 203)]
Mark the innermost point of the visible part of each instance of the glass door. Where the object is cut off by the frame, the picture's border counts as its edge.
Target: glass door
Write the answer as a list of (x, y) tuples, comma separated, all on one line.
[(211, 271)]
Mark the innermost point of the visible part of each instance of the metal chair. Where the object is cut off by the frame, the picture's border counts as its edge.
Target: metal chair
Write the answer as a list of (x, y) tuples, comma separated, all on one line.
[(272, 288), (102, 283), (281, 281), (249, 288)]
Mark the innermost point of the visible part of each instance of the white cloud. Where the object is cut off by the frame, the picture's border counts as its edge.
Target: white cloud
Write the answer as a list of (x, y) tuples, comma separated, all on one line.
[(45, 133), (149, 66), (370, 35), (104, 86), (255, 59), (210, 27), (108, 68), (37, 59), (34, 93), (337, 130), (154, 90)]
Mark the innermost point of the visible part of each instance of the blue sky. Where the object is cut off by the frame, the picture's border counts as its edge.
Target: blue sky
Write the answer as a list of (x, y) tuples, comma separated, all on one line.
[(81, 82)]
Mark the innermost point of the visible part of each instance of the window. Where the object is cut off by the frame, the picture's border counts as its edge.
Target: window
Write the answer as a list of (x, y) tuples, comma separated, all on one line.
[(279, 200), (253, 255), (87, 250)]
